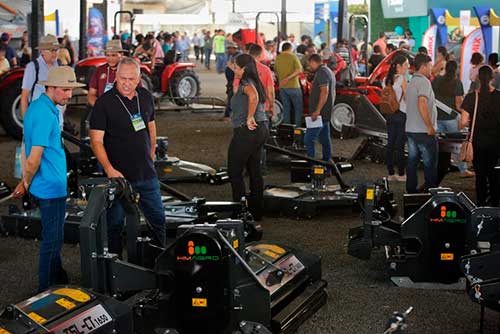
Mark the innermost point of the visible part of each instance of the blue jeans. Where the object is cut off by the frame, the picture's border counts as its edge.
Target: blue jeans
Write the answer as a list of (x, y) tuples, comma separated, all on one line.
[(50, 266), (421, 145), (292, 97), (152, 208), (451, 126), (208, 53), (323, 136), (220, 62), (396, 139)]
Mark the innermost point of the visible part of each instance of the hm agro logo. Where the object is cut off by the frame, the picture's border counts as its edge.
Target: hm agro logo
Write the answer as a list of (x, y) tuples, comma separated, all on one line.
[(197, 253)]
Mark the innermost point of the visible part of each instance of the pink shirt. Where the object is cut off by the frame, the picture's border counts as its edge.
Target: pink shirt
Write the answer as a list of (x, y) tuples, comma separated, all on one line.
[(383, 46), (159, 50)]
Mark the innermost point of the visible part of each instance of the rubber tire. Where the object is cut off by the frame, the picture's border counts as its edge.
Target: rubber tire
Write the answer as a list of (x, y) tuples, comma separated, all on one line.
[(146, 82), (278, 109), (174, 85), (8, 98), (353, 104)]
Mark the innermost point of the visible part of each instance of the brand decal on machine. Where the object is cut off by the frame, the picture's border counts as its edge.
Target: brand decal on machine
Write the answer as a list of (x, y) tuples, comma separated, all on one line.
[(447, 216), (197, 253)]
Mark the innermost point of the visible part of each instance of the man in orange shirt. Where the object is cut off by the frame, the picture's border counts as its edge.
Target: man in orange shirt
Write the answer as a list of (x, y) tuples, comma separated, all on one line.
[(265, 76), (382, 42)]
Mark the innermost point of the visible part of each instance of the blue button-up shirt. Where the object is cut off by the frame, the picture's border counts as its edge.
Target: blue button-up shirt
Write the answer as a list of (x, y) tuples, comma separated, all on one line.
[(42, 128)]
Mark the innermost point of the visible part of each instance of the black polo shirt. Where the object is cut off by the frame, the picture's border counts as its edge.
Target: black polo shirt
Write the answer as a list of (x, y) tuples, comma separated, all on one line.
[(128, 150)]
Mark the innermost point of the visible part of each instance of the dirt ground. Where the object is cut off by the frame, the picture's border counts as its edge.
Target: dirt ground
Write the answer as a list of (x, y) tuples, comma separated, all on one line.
[(361, 297)]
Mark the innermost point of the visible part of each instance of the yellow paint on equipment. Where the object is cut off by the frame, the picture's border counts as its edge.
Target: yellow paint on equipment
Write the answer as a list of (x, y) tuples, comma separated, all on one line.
[(273, 248), (37, 318), (168, 170), (236, 244), (65, 303), (297, 131), (74, 294), (271, 254), (370, 194), (199, 302), (4, 331), (447, 256), (319, 171)]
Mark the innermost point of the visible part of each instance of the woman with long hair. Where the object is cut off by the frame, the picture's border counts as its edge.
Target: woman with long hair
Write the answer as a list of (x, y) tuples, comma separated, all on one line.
[(396, 122), (486, 138), (449, 89), (250, 131)]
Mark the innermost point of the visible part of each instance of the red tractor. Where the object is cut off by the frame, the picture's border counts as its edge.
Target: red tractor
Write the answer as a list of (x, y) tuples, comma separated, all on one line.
[(173, 79), (357, 104)]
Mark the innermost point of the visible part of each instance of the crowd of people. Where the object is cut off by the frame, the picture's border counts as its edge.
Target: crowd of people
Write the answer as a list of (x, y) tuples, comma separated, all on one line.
[(122, 117), (419, 119)]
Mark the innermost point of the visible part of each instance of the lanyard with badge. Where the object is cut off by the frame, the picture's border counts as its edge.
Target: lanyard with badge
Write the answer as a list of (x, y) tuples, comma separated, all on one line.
[(137, 121), (108, 85)]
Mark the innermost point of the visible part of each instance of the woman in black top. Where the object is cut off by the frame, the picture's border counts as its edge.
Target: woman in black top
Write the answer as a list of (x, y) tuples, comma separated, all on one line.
[(250, 132), (486, 140), (449, 90)]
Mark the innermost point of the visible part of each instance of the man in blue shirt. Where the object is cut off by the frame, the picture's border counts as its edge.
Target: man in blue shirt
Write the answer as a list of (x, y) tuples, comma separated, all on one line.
[(44, 170), (31, 90)]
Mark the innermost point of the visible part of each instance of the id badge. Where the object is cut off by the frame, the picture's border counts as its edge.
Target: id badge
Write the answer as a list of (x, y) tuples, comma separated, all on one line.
[(137, 122), (108, 86)]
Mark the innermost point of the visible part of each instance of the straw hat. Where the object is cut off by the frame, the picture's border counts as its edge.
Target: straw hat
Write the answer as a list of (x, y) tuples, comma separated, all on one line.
[(48, 42), (114, 45), (61, 76), (232, 45)]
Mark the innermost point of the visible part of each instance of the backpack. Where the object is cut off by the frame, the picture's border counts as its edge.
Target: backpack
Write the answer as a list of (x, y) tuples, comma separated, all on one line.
[(389, 103)]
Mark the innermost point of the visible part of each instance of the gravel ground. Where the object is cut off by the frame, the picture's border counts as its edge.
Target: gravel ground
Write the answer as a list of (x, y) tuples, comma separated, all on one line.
[(361, 297)]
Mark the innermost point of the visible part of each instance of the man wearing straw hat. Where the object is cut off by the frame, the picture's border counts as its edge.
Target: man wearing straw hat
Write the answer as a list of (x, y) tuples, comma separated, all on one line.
[(44, 170), (103, 77), (38, 70)]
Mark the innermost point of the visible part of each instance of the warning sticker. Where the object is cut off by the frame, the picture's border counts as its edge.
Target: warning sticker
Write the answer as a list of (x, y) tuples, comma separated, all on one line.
[(447, 256), (319, 171), (199, 302), (65, 303), (370, 194), (37, 318)]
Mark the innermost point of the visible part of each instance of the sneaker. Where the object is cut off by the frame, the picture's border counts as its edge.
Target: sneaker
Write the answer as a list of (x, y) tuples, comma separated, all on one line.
[(401, 178), (392, 178)]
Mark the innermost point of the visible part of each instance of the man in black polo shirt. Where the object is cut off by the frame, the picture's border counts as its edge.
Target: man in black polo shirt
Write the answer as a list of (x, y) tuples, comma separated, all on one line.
[(321, 103), (123, 138)]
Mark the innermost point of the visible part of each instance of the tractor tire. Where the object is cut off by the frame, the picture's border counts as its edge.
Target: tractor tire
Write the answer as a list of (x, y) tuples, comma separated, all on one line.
[(278, 116), (147, 83), (343, 113), (184, 84), (10, 114)]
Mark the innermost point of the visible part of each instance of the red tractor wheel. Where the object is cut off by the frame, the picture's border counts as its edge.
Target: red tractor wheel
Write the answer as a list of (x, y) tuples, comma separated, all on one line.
[(184, 85), (10, 114)]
